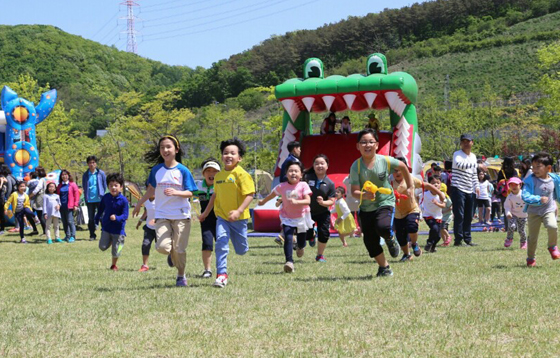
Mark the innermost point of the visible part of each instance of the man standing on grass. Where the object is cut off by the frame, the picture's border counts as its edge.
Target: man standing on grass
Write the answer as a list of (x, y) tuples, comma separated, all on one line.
[(465, 184), (94, 183)]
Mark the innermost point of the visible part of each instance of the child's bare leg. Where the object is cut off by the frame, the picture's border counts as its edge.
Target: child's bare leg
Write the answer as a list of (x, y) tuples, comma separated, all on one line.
[(487, 217), (343, 239), (481, 214), (206, 258)]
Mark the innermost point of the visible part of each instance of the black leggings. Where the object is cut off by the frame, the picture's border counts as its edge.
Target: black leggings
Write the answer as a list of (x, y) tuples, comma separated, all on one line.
[(376, 225), (289, 232), (496, 211), (323, 222), (30, 217), (3, 214), (41, 219)]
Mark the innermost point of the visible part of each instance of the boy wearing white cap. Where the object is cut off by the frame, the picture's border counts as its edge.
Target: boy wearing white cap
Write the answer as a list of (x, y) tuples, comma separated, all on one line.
[(514, 211), (210, 168)]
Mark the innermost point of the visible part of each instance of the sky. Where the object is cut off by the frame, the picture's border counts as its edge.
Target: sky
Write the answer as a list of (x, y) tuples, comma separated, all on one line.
[(187, 32)]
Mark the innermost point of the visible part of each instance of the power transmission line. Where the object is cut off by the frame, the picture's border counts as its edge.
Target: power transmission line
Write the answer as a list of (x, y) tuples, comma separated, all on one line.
[(218, 19), (184, 5), (233, 24), (107, 23), (109, 33), (191, 12), (174, 1), (207, 16)]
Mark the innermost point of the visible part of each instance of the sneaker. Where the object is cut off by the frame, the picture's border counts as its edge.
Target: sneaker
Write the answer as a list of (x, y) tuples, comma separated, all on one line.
[(114, 268), (181, 282), (2, 232), (471, 244), (523, 245), (417, 250), (312, 242), (554, 253), (92, 238), (207, 274), (279, 240), (446, 243), (58, 239), (23, 241), (143, 268), (300, 252), (289, 267), (13, 230), (221, 280), (320, 258), (169, 261), (49, 241), (484, 229), (459, 244), (508, 242), (27, 228), (406, 258), (394, 248), (531, 262), (433, 249), (71, 240), (428, 247), (384, 271)]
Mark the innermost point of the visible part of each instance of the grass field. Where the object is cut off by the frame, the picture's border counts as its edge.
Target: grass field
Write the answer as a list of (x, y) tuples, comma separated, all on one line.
[(61, 300)]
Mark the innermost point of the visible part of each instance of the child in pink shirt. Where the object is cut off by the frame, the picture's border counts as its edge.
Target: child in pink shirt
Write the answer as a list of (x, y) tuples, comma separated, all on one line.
[(295, 214)]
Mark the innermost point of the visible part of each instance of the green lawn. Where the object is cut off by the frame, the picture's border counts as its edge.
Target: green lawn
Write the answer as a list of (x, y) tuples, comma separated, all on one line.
[(62, 300)]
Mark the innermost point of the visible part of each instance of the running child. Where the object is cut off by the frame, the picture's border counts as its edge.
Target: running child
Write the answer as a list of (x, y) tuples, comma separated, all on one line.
[(517, 218), (233, 192), (172, 184), (407, 213), (322, 198), (210, 168), (149, 231), (540, 190), (447, 216), (295, 213), (21, 208), (344, 224), (434, 202), (51, 212), (114, 209), (376, 210)]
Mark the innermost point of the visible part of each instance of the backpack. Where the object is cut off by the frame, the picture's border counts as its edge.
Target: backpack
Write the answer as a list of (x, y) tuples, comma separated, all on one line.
[(502, 187)]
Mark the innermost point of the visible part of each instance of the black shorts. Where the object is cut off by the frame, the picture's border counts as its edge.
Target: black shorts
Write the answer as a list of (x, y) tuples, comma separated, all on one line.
[(208, 230), (483, 203), (323, 222), (405, 226)]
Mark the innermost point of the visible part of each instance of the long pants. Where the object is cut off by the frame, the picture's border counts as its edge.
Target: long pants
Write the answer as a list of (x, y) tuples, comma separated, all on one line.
[(52, 220), (41, 219), (226, 230), (517, 224), (67, 217), (535, 221), (503, 200), (92, 209), (462, 215), (2, 214), (496, 211), (30, 217), (435, 228), (289, 232), (376, 225), (172, 239), (115, 241)]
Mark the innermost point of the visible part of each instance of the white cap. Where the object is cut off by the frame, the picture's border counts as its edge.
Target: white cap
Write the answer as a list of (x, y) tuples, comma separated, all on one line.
[(211, 165)]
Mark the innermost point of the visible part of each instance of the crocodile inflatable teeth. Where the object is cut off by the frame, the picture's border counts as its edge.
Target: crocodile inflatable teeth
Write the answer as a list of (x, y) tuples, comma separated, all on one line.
[(378, 90)]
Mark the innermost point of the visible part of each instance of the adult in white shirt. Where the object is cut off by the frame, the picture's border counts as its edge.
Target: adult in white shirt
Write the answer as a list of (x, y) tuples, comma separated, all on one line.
[(464, 182)]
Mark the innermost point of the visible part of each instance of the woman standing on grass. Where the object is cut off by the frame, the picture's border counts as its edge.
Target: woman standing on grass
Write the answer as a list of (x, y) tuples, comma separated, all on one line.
[(323, 196)]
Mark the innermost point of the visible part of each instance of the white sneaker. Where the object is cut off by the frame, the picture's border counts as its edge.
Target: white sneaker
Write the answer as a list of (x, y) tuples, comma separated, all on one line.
[(221, 280), (289, 267)]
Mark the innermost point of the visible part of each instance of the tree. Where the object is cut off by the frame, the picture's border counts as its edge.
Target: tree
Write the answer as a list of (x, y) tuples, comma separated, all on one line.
[(549, 60)]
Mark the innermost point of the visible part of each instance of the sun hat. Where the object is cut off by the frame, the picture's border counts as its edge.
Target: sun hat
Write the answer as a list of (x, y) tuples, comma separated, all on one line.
[(211, 165), (514, 180)]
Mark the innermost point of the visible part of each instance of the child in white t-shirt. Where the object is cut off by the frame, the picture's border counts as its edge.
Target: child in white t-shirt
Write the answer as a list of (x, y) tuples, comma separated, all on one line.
[(517, 219), (432, 207)]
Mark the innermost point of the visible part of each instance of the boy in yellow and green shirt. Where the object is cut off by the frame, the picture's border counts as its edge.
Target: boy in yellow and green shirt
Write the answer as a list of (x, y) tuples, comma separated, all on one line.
[(233, 191)]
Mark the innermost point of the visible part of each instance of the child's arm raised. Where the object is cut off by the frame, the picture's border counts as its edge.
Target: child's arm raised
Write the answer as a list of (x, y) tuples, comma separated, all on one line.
[(439, 193), (150, 191), (268, 198)]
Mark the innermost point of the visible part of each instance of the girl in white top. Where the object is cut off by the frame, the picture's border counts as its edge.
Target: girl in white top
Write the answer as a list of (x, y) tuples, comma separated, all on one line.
[(51, 212), (483, 198), (517, 219)]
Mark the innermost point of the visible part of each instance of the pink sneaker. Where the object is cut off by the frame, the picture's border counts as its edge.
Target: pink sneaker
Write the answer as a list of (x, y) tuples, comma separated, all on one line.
[(531, 262), (523, 245), (508, 242), (554, 253)]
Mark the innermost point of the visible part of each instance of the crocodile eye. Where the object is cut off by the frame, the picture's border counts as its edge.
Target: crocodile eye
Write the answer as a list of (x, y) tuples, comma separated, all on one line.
[(313, 67), (377, 63)]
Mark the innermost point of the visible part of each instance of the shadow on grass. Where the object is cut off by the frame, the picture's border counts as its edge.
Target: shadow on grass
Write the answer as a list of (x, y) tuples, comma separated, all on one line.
[(167, 285), (264, 247), (361, 262), (498, 249), (516, 266), (334, 279)]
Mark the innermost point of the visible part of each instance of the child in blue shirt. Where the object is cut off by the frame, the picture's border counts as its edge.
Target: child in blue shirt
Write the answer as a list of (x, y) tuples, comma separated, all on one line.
[(114, 208)]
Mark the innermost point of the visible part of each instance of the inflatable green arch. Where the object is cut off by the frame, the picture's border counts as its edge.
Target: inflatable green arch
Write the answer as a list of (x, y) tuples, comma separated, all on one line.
[(377, 90)]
